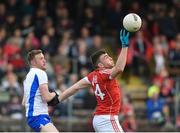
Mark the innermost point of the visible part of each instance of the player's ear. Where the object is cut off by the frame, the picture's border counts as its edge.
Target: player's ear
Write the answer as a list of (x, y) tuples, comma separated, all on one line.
[(100, 64), (32, 62)]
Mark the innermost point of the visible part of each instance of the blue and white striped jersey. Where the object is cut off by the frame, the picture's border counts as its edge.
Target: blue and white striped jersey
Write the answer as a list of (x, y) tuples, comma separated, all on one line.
[(34, 103)]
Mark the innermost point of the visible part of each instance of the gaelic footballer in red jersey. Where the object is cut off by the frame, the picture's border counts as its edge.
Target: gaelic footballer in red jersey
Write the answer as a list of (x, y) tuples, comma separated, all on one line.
[(107, 92), (105, 86)]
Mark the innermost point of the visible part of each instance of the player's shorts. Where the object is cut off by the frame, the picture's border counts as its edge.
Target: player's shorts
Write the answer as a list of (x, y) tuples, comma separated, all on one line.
[(36, 122), (106, 123)]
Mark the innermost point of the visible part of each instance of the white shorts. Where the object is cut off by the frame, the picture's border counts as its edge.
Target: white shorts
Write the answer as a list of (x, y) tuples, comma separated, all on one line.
[(106, 123)]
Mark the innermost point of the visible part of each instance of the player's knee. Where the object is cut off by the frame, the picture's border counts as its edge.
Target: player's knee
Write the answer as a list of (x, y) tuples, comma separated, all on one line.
[(49, 128)]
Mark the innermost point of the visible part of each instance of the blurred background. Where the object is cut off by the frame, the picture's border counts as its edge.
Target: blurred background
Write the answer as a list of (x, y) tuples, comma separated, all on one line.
[(68, 31)]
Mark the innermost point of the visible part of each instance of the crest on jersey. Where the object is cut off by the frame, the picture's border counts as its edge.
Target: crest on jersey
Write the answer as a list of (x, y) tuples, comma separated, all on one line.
[(94, 80)]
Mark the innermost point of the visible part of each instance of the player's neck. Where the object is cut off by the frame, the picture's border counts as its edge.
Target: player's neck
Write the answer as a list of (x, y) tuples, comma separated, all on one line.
[(101, 68), (35, 67)]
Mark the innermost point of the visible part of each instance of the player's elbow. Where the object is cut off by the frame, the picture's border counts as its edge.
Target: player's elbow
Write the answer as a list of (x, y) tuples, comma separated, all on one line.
[(47, 97)]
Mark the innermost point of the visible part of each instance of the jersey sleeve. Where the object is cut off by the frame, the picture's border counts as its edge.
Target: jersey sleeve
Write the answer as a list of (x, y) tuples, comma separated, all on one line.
[(87, 80), (89, 77), (42, 77)]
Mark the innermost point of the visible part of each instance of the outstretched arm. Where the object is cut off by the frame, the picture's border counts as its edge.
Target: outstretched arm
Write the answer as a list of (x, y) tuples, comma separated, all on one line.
[(121, 61), (83, 83)]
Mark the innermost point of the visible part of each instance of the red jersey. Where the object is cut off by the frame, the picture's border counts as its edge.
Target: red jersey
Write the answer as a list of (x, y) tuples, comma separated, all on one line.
[(107, 92)]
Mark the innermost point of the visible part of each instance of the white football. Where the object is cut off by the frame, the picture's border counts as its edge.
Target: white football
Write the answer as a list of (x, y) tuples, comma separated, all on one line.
[(132, 22)]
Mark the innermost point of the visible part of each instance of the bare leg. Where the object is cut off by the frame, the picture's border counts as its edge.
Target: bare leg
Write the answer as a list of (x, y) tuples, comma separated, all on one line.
[(49, 128)]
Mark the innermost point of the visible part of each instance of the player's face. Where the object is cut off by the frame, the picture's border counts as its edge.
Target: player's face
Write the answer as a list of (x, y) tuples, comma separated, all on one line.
[(40, 61), (106, 60)]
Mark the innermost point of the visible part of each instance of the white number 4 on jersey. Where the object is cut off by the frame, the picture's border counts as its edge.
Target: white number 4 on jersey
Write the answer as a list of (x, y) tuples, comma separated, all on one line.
[(98, 92)]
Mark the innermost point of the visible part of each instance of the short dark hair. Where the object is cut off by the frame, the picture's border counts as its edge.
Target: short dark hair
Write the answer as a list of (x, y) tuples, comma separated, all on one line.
[(32, 54), (95, 57)]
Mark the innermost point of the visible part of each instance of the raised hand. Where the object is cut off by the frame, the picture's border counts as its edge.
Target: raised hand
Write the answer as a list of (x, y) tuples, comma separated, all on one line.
[(124, 38)]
